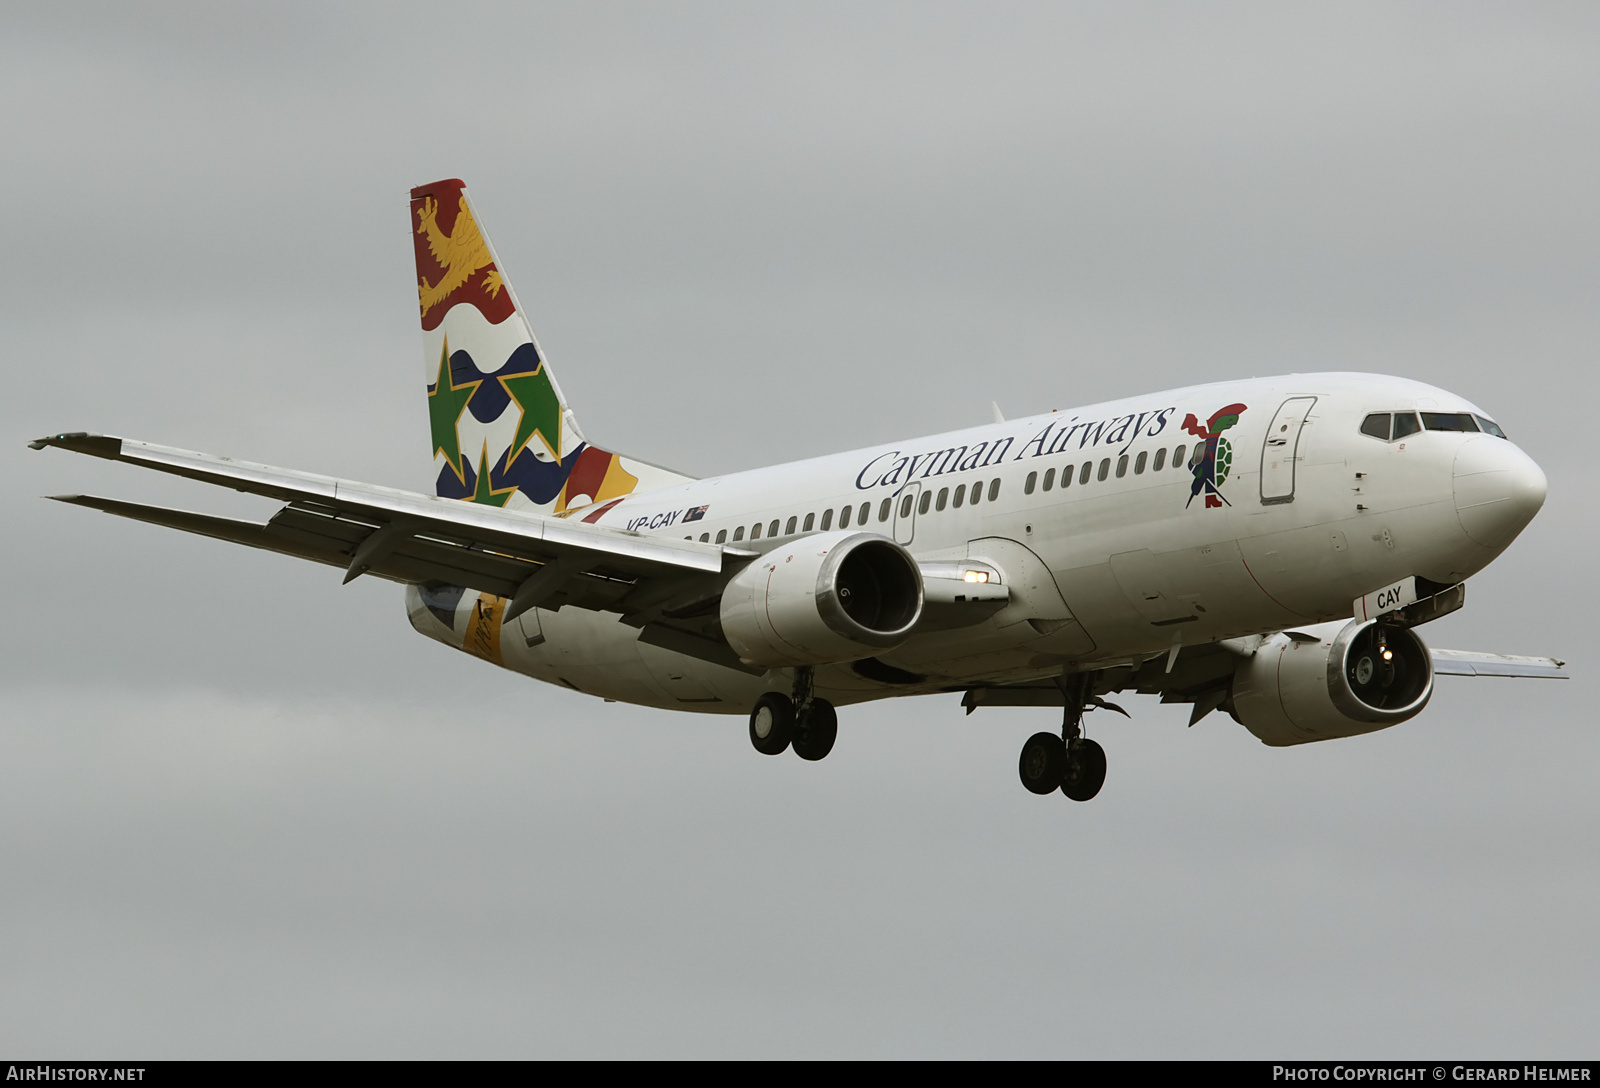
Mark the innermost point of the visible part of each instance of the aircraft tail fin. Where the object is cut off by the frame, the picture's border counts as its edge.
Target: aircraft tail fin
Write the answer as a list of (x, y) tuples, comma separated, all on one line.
[(502, 432)]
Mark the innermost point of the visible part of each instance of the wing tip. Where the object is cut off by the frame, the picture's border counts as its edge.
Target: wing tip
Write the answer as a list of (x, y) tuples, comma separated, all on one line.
[(97, 445)]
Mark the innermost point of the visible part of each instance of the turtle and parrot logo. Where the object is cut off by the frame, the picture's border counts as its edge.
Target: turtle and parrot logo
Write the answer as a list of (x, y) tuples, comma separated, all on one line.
[(1216, 457)]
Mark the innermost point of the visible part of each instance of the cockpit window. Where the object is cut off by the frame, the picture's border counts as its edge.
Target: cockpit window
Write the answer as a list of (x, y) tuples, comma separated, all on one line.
[(1489, 426), (1376, 425), (1393, 426), (1449, 421)]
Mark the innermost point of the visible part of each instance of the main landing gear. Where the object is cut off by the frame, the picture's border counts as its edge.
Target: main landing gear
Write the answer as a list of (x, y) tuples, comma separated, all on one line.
[(803, 722), (1071, 763)]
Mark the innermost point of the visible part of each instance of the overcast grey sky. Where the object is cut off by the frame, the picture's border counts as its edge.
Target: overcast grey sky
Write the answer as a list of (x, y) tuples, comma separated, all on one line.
[(247, 812)]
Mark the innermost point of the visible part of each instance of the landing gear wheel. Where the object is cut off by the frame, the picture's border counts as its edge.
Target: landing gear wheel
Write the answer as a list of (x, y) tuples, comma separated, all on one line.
[(1085, 770), (816, 731), (1043, 761), (772, 723)]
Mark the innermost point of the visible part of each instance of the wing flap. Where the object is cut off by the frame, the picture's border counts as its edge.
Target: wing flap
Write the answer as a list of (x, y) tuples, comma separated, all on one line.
[(1471, 663)]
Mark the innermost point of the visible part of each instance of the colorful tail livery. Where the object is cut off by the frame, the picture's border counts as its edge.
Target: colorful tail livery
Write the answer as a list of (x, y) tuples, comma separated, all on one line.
[(502, 432)]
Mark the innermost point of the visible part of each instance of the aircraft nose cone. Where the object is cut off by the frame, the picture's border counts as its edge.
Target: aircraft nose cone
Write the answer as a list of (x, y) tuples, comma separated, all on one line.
[(1498, 490)]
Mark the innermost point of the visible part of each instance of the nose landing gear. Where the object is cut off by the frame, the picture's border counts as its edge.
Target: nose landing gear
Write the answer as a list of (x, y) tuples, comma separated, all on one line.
[(1071, 762), (807, 724)]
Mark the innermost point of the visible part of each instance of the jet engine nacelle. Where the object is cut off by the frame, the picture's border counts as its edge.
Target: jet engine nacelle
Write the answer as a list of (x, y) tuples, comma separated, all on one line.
[(1331, 680), (823, 598)]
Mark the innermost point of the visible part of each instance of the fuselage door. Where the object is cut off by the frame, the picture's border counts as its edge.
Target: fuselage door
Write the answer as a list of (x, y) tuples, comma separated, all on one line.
[(905, 512), (1282, 450)]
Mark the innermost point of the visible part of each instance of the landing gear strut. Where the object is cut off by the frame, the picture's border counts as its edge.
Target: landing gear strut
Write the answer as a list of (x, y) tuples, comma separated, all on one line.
[(1071, 763), (804, 722)]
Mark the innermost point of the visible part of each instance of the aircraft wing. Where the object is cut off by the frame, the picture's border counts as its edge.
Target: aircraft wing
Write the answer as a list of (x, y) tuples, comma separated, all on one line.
[(530, 559), (1202, 675)]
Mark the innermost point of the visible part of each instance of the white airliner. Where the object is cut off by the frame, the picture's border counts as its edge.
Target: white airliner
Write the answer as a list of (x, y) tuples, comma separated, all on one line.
[(1267, 547)]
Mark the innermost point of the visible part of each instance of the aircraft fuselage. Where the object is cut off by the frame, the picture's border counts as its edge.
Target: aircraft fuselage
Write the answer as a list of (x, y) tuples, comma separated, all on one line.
[(1121, 530)]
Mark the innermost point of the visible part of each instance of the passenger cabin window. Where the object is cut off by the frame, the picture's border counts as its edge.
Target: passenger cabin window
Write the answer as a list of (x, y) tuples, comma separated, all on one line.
[(1122, 466), (844, 517), (705, 538), (1049, 478), (827, 519), (994, 489), (961, 493), (1405, 423), (883, 510), (1027, 485), (927, 500), (738, 533), (1376, 425), (772, 530), (1177, 456), (1105, 469), (1161, 460), (977, 492), (755, 531), (1489, 426), (905, 506), (1066, 476), (1083, 475), (1449, 421), (788, 530), (722, 536), (944, 497), (861, 514), (1138, 463), (811, 519)]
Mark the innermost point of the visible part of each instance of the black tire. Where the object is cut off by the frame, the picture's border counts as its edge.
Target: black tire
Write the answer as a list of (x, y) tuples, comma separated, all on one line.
[(1043, 759), (815, 733), (1085, 771), (772, 723)]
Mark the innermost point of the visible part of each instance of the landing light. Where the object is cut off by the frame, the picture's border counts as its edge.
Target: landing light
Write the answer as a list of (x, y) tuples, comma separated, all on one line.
[(975, 576)]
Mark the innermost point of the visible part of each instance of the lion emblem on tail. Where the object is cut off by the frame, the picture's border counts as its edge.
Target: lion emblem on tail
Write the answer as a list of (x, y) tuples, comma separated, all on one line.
[(462, 254)]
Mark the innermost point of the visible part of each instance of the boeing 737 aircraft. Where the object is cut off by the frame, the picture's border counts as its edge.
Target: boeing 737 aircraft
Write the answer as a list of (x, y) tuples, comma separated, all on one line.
[(1265, 547)]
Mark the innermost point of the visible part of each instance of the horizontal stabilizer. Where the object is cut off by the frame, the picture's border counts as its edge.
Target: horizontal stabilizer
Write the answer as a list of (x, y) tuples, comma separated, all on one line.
[(1470, 663), (250, 533)]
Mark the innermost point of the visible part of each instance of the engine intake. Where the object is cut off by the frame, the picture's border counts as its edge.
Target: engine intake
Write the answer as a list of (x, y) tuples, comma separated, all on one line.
[(1336, 679), (823, 598)]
